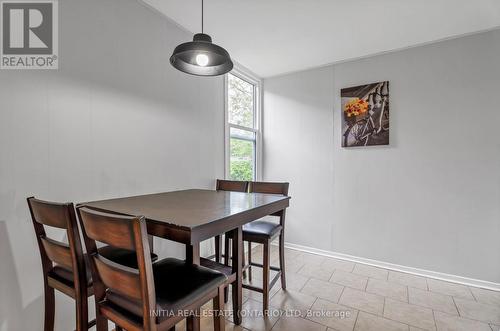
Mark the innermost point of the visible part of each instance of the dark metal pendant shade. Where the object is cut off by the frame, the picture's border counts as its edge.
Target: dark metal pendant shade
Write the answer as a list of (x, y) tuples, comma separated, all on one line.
[(201, 57)]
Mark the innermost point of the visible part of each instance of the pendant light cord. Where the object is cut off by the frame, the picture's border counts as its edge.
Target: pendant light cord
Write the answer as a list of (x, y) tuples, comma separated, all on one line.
[(201, 16)]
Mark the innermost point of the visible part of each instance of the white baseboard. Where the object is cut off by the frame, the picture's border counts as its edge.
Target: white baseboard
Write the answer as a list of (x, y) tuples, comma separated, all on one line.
[(415, 271)]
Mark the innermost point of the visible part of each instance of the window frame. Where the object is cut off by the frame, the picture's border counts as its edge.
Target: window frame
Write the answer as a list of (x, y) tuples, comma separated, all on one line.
[(257, 129)]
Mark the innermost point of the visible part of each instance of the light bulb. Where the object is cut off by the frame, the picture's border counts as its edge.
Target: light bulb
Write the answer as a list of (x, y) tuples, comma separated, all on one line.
[(202, 60)]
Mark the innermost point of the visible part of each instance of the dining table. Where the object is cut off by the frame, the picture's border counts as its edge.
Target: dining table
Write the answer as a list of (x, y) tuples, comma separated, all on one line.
[(194, 215)]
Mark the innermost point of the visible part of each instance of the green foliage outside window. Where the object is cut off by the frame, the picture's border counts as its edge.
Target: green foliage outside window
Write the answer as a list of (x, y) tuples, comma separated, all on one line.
[(241, 159)]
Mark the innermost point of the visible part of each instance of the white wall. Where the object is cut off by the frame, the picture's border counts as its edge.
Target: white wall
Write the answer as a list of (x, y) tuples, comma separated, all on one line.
[(431, 199), (114, 120)]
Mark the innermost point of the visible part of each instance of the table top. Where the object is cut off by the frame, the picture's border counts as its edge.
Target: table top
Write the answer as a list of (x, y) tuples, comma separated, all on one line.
[(194, 208)]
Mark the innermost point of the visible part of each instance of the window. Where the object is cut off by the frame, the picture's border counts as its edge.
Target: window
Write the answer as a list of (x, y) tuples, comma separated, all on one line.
[(242, 127)]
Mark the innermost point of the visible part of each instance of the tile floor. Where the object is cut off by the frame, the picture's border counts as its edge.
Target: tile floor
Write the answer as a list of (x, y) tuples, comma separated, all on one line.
[(358, 297)]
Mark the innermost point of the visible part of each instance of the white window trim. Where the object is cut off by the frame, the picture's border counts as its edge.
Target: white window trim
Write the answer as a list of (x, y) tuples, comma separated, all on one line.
[(257, 82)]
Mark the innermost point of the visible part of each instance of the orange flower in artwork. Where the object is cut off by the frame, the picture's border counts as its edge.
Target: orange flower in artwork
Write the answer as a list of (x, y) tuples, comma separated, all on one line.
[(355, 107)]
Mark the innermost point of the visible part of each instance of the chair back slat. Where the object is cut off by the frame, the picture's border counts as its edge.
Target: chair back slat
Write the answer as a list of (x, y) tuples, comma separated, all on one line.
[(119, 278), (112, 229), (268, 187), (58, 252), (50, 213), (231, 185)]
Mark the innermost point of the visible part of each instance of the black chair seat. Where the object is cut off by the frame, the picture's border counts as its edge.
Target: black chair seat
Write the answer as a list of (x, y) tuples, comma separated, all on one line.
[(260, 228), (177, 284), (118, 255)]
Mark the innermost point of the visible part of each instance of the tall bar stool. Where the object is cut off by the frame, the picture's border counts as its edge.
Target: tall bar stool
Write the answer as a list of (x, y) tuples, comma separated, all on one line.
[(65, 266), (227, 185), (234, 186), (151, 296), (264, 232)]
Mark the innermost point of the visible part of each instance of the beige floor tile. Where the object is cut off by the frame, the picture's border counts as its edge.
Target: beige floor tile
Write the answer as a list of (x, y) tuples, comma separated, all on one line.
[(495, 327), (360, 300), (413, 315), (338, 317), (294, 281), (372, 272), (292, 252), (207, 323), (322, 289), (412, 328), (254, 319), (369, 322), (311, 259), (446, 322), (455, 290), (349, 279), (297, 324), (292, 266), (315, 271), (337, 264), (249, 294), (436, 301), (290, 257), (407, 279), (257, 253), (478, 311), (257, 274), (486, 296), (387, 289), (292, 300)]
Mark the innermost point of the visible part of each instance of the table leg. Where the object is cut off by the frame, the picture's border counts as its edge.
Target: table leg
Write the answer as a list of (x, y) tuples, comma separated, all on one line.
[(193, 253), (237, 285), (193, 257)]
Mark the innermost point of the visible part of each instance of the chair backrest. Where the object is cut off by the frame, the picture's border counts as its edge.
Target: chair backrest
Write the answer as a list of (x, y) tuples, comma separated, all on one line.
[(121, 232), (268, 187), (69, 256), (271, 188), (231, 185)]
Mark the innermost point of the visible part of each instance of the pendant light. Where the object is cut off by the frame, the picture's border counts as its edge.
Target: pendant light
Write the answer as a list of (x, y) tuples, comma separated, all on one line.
[(201, 57)]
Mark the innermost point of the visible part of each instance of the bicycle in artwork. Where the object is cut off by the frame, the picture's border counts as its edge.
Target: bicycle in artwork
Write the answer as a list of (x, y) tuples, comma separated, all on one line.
[(365, 115)]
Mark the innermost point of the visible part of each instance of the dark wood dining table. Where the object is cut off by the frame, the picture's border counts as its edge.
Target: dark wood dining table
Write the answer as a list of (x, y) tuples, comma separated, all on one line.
[(192, 216)]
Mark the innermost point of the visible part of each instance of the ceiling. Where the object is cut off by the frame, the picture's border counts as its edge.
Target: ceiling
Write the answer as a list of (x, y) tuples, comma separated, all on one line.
[(273, 37)]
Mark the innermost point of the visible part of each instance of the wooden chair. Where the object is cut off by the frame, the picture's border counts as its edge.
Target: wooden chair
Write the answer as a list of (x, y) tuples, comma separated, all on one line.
[(64, 265), (264, 232), (227, 185), (152, 296), (235, 186)]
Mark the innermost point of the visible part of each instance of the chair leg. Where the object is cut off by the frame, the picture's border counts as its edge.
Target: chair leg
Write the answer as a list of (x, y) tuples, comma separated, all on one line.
[(218, 249), (193, 322), (49, 308), (172, 328), (265, 276), (117, 328), (243, 262), (101, 321), (226, 294), (282, 259), (227, 257), (82, 312), (218, 303), (249, 262), (227, 253)]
